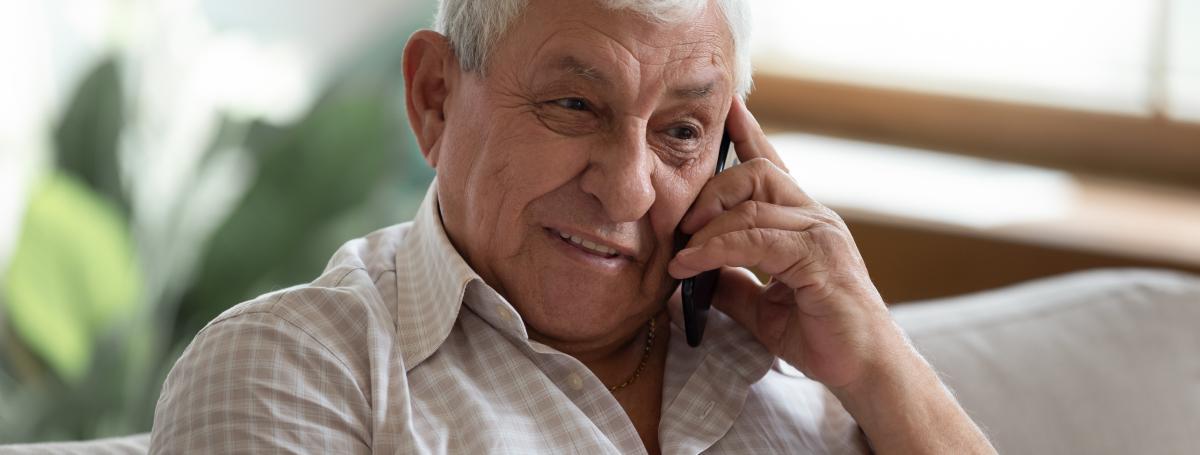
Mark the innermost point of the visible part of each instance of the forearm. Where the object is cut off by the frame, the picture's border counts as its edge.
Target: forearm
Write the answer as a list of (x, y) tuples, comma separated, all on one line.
[(903, 407)]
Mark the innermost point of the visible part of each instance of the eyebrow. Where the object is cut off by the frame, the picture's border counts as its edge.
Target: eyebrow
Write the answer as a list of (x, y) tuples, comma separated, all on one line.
[(695, 92), (575, 67)]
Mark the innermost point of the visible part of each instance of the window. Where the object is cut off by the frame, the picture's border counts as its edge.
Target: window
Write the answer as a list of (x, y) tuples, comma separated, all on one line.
[(1134, 57)]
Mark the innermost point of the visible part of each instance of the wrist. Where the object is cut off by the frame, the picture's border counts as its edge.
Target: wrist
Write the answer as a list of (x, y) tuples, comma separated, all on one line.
[(896, 372), (900, 404)]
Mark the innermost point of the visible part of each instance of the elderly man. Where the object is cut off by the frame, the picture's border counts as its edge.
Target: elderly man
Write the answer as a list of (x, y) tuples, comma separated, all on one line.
[(531, 305)]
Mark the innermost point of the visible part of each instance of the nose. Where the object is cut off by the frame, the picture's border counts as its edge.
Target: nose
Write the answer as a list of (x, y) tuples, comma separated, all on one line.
[(619, 174)]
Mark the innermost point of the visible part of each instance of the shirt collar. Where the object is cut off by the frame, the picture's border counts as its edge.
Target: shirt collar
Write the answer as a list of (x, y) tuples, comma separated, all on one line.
[(727, 343), (437, 281), (430, 285)]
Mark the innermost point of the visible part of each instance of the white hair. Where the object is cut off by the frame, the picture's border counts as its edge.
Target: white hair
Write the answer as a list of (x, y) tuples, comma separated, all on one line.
[(474, 26)]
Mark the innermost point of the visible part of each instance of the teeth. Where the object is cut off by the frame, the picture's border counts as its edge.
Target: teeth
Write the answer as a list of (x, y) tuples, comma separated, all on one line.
[(588, 244)]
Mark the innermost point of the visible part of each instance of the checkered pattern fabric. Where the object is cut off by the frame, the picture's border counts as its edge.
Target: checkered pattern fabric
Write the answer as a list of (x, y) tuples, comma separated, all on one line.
[(399, 347)]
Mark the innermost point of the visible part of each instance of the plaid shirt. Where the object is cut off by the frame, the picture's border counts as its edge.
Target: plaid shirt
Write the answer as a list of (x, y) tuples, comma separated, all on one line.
[(399, 347)]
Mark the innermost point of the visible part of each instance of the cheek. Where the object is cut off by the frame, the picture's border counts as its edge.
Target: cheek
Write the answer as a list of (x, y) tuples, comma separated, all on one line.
[(675, 190), (507, 169), (529, 162)]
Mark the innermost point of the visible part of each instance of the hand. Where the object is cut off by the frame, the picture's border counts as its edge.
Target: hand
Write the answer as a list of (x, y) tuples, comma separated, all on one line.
[(820, 312)]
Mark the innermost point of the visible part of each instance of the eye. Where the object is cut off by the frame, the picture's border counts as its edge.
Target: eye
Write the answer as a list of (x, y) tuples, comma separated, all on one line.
[(574, 104), (685, 133)]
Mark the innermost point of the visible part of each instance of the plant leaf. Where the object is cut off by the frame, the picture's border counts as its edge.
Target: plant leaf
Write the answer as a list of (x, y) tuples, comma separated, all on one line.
[(86, 139), (311, 177), (72, 274)]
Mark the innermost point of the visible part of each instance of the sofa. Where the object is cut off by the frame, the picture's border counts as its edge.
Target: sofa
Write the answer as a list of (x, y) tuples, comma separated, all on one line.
[(1097, 362)]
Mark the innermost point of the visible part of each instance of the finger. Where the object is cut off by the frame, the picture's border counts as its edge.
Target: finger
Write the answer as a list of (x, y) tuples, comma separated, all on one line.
[(749, 141), (773, 251), (756, 214), (757, 179)]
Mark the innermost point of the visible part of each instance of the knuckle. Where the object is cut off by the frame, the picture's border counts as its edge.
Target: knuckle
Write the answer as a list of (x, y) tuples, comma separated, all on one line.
[(760, 164), (824, 234), (828, 216), (757, 236), (723, 240), (806, 262), (770, 238), (748, 210), (820, 241), (834, 245)]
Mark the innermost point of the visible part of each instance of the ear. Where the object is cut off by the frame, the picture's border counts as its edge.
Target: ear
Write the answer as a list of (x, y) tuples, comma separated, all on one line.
[(428, 64)]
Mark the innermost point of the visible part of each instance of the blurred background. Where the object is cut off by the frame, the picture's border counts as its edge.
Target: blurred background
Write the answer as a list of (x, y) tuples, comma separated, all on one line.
[(161, 161)]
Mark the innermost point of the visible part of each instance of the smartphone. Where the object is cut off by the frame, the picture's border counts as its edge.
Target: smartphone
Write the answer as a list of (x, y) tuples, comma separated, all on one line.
[(697, 291)]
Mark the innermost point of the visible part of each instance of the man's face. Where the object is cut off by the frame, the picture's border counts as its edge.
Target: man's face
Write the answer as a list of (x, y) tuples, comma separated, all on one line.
[(588, 124)]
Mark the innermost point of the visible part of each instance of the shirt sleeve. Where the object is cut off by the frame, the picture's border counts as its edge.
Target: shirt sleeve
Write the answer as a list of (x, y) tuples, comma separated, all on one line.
[(840, 433), (255, 382)]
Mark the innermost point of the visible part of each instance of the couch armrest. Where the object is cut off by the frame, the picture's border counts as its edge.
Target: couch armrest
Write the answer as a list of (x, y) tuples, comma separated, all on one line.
[(137, 444), (1099, 362)]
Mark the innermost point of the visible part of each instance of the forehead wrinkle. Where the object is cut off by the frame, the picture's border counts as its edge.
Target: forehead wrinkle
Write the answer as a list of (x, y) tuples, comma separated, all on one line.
[(705, 45), (625, 59), (579, 65), (681, 60), (691, 56)]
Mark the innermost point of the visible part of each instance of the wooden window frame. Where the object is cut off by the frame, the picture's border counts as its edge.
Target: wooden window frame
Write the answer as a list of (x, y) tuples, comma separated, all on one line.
[(1153, 149)]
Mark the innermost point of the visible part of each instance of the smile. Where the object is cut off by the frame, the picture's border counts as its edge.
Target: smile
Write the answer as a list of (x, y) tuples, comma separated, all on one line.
[(586, 245)]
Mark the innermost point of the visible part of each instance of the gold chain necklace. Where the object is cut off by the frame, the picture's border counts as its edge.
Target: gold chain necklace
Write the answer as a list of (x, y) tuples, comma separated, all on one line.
[(642, 364)]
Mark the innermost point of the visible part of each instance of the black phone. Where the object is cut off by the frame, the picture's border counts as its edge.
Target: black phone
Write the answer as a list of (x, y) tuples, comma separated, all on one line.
[(697, 291)]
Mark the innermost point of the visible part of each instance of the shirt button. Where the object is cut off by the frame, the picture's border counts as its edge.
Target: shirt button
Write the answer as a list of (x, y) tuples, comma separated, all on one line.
[(505, 315), (575, 381)]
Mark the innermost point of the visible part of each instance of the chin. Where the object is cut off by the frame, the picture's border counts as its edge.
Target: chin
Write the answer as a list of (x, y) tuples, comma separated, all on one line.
[(572, 299), (581, 311)]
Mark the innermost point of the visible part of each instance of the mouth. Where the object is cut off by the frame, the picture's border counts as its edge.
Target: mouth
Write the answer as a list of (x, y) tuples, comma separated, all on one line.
[(585, 245)]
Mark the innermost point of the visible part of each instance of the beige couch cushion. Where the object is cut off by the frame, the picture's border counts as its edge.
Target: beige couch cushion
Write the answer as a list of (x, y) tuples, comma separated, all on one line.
[(1102, 362)]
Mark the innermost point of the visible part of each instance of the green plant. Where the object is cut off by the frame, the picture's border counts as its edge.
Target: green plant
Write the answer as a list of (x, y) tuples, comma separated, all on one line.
[(85, 342)]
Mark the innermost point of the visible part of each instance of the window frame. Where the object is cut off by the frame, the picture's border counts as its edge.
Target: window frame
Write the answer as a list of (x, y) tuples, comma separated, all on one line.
[(1154, 148)]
